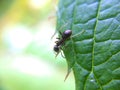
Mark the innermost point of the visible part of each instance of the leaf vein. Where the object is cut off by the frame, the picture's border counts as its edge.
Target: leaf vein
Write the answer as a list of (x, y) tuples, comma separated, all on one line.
[(94, 32), (109, 58)]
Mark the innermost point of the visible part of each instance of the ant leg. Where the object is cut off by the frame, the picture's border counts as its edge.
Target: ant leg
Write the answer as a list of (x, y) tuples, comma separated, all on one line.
[(58, 38), (63, 25), (78, 33), (61, 52), (60, 29), (62, 55), (56, 41), (63, 46), (56, 54), (60, 33), (54, 34)]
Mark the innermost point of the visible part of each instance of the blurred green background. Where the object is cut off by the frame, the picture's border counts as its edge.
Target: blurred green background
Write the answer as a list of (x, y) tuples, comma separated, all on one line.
[(27, 60)]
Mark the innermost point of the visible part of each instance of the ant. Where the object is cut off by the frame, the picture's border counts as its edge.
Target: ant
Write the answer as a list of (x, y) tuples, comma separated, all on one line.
[(61, 41), (64, 36)]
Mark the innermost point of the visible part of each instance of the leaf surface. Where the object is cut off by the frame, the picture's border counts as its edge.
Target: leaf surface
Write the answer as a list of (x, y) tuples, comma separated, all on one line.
[(93, 55)]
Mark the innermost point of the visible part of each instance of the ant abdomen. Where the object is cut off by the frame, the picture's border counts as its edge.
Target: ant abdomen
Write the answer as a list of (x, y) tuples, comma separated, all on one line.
[(66, 34)]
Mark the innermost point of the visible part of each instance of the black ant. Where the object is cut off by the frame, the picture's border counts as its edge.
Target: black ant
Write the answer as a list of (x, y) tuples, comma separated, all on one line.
[(61, 41), (64, 36)]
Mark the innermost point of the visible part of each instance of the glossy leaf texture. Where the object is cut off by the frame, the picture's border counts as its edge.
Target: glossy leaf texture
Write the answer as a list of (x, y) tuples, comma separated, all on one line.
[(94, 55)]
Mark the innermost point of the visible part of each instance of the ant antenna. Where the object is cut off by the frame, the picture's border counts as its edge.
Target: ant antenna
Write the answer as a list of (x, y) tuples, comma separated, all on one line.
[(78, 33), (60, 29)]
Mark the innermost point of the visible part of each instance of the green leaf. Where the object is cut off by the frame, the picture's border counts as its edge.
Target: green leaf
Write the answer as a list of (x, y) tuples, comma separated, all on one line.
[(93, 55)]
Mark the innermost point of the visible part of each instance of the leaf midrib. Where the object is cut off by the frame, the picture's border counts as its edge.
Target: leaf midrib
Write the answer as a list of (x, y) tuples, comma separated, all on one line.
[(94, 32)]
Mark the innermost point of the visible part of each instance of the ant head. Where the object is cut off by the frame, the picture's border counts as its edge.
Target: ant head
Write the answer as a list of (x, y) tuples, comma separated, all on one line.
[(56, 48), (67, 33)]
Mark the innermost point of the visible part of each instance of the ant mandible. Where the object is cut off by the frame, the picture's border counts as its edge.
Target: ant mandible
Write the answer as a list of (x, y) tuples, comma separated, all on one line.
[(64, 36)]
